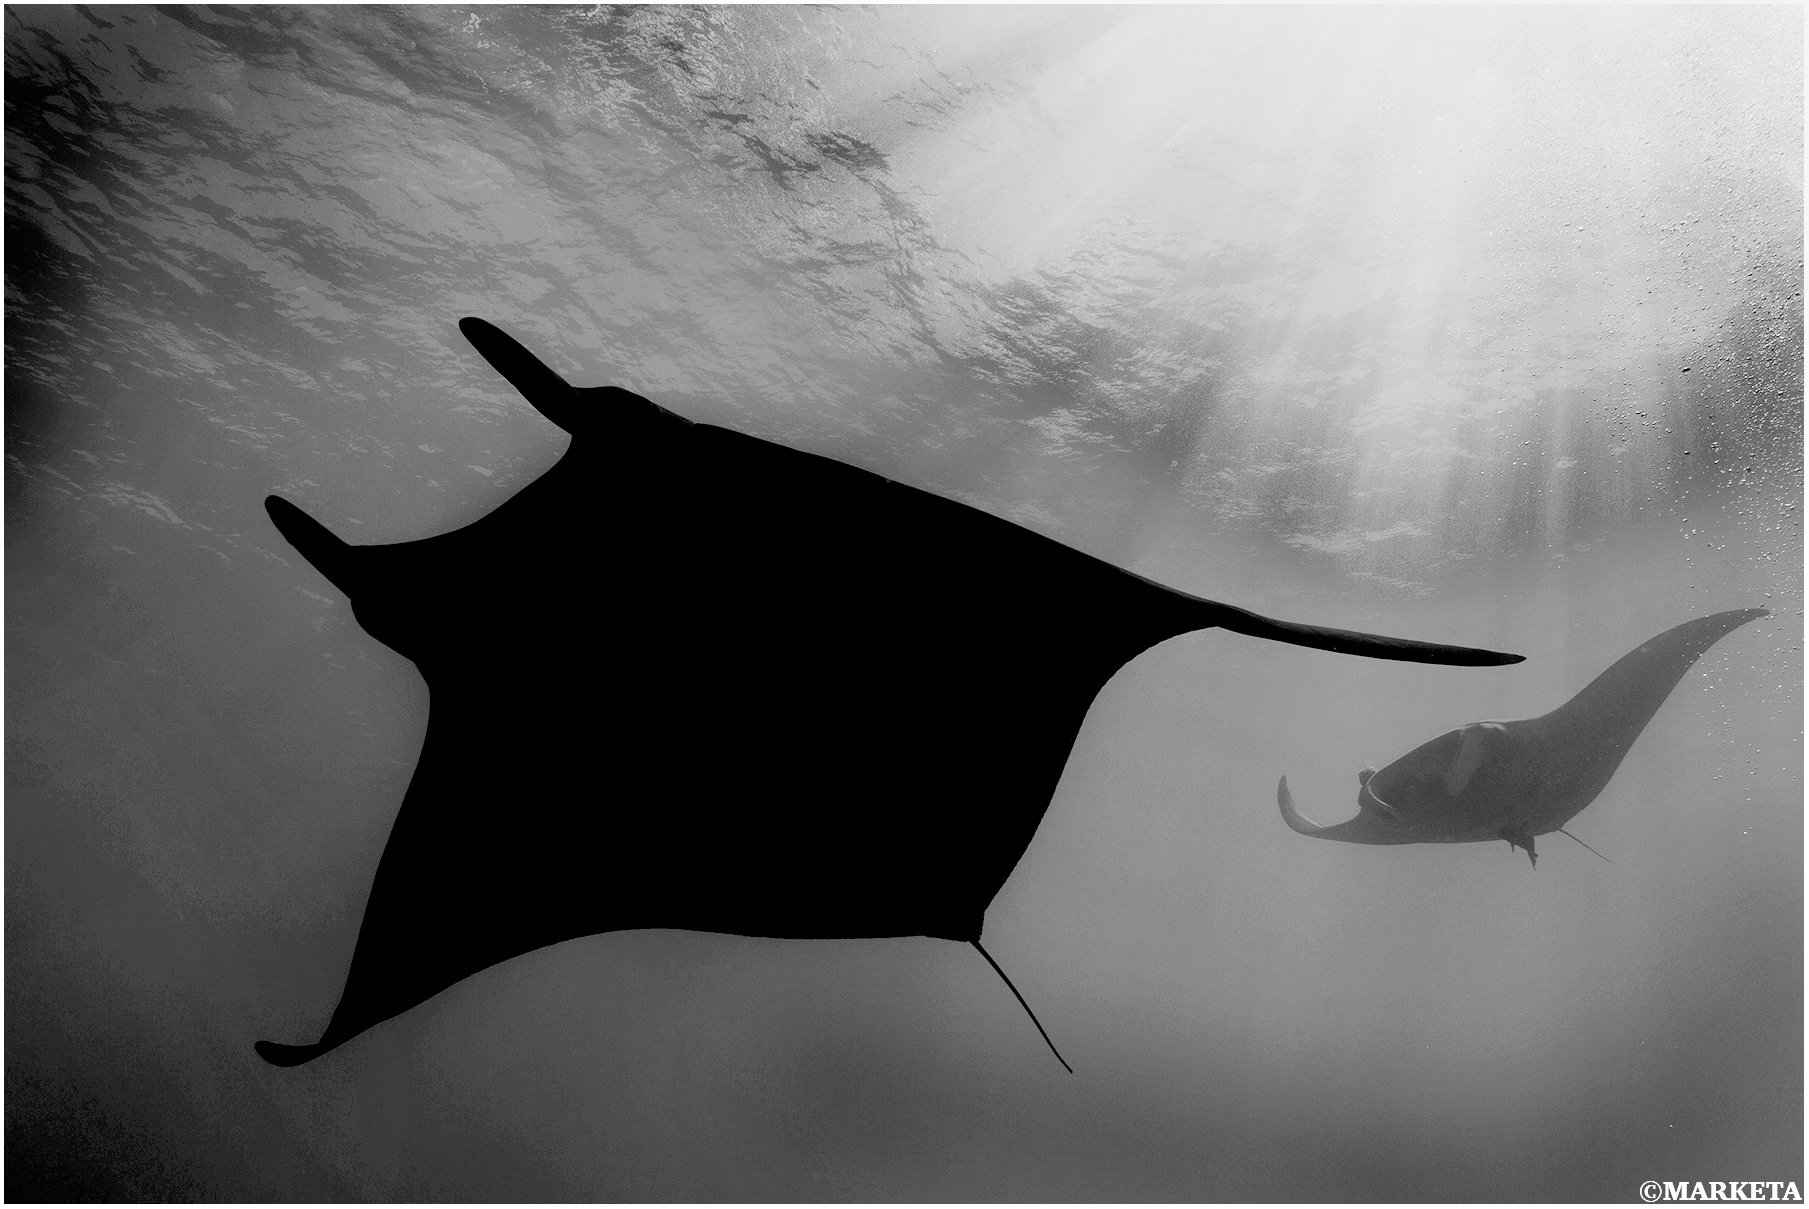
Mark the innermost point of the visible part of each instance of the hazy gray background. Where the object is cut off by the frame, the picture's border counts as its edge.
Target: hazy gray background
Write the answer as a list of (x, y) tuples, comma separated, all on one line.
[(1473, 325)]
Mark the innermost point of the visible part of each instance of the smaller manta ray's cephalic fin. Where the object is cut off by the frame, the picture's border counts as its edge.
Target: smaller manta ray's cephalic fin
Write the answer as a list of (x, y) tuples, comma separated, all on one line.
[(1363, 776), (980, 949), (1370, 795), (1561, 831)]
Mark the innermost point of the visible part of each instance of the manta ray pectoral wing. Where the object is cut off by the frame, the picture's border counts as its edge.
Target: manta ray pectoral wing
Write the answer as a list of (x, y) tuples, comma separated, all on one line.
[(325, 552), (277, 1054), (1349, 642)]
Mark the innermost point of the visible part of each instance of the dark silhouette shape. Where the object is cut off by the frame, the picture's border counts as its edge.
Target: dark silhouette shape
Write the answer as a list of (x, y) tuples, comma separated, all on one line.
[(981, 950), (692, 679), (1514, 781)]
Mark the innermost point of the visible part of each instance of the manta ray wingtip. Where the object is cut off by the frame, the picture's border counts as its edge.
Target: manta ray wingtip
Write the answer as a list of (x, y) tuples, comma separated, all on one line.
[(288, 1055), (1352, 642), (1469, 656)]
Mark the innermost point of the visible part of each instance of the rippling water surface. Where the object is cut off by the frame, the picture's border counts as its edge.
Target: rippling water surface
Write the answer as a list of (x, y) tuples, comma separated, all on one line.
[(1478, 325)]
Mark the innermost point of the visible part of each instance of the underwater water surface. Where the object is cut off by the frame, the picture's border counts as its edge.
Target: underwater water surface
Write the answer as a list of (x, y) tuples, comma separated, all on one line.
[(1480, 326)]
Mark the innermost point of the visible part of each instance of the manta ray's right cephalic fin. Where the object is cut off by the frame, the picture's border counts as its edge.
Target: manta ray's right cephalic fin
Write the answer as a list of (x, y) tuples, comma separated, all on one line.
[(325, 551)]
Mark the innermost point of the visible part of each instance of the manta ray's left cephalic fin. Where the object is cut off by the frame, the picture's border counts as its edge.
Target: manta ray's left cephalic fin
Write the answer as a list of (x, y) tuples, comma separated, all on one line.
[(325, 551), (551, 395)]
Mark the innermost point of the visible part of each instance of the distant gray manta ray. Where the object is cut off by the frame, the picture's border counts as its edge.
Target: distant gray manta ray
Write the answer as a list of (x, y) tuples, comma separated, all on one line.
[(692, 679), (1518, 780)]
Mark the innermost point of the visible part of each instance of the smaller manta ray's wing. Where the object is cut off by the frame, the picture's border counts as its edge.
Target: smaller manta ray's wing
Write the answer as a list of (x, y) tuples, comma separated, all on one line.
[(1291, 815), (1594, 730)]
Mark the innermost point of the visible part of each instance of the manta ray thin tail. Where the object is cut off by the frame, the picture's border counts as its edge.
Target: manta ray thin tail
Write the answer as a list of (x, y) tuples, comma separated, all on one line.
[(1561, 831), (1039, 1024)]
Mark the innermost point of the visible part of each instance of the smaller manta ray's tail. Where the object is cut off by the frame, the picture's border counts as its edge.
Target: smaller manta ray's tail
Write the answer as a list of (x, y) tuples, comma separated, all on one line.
[(1561, 831)]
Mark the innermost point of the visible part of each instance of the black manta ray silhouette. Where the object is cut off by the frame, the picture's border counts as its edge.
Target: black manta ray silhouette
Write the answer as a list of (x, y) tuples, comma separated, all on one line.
[(692, 679), (1518, 780)]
